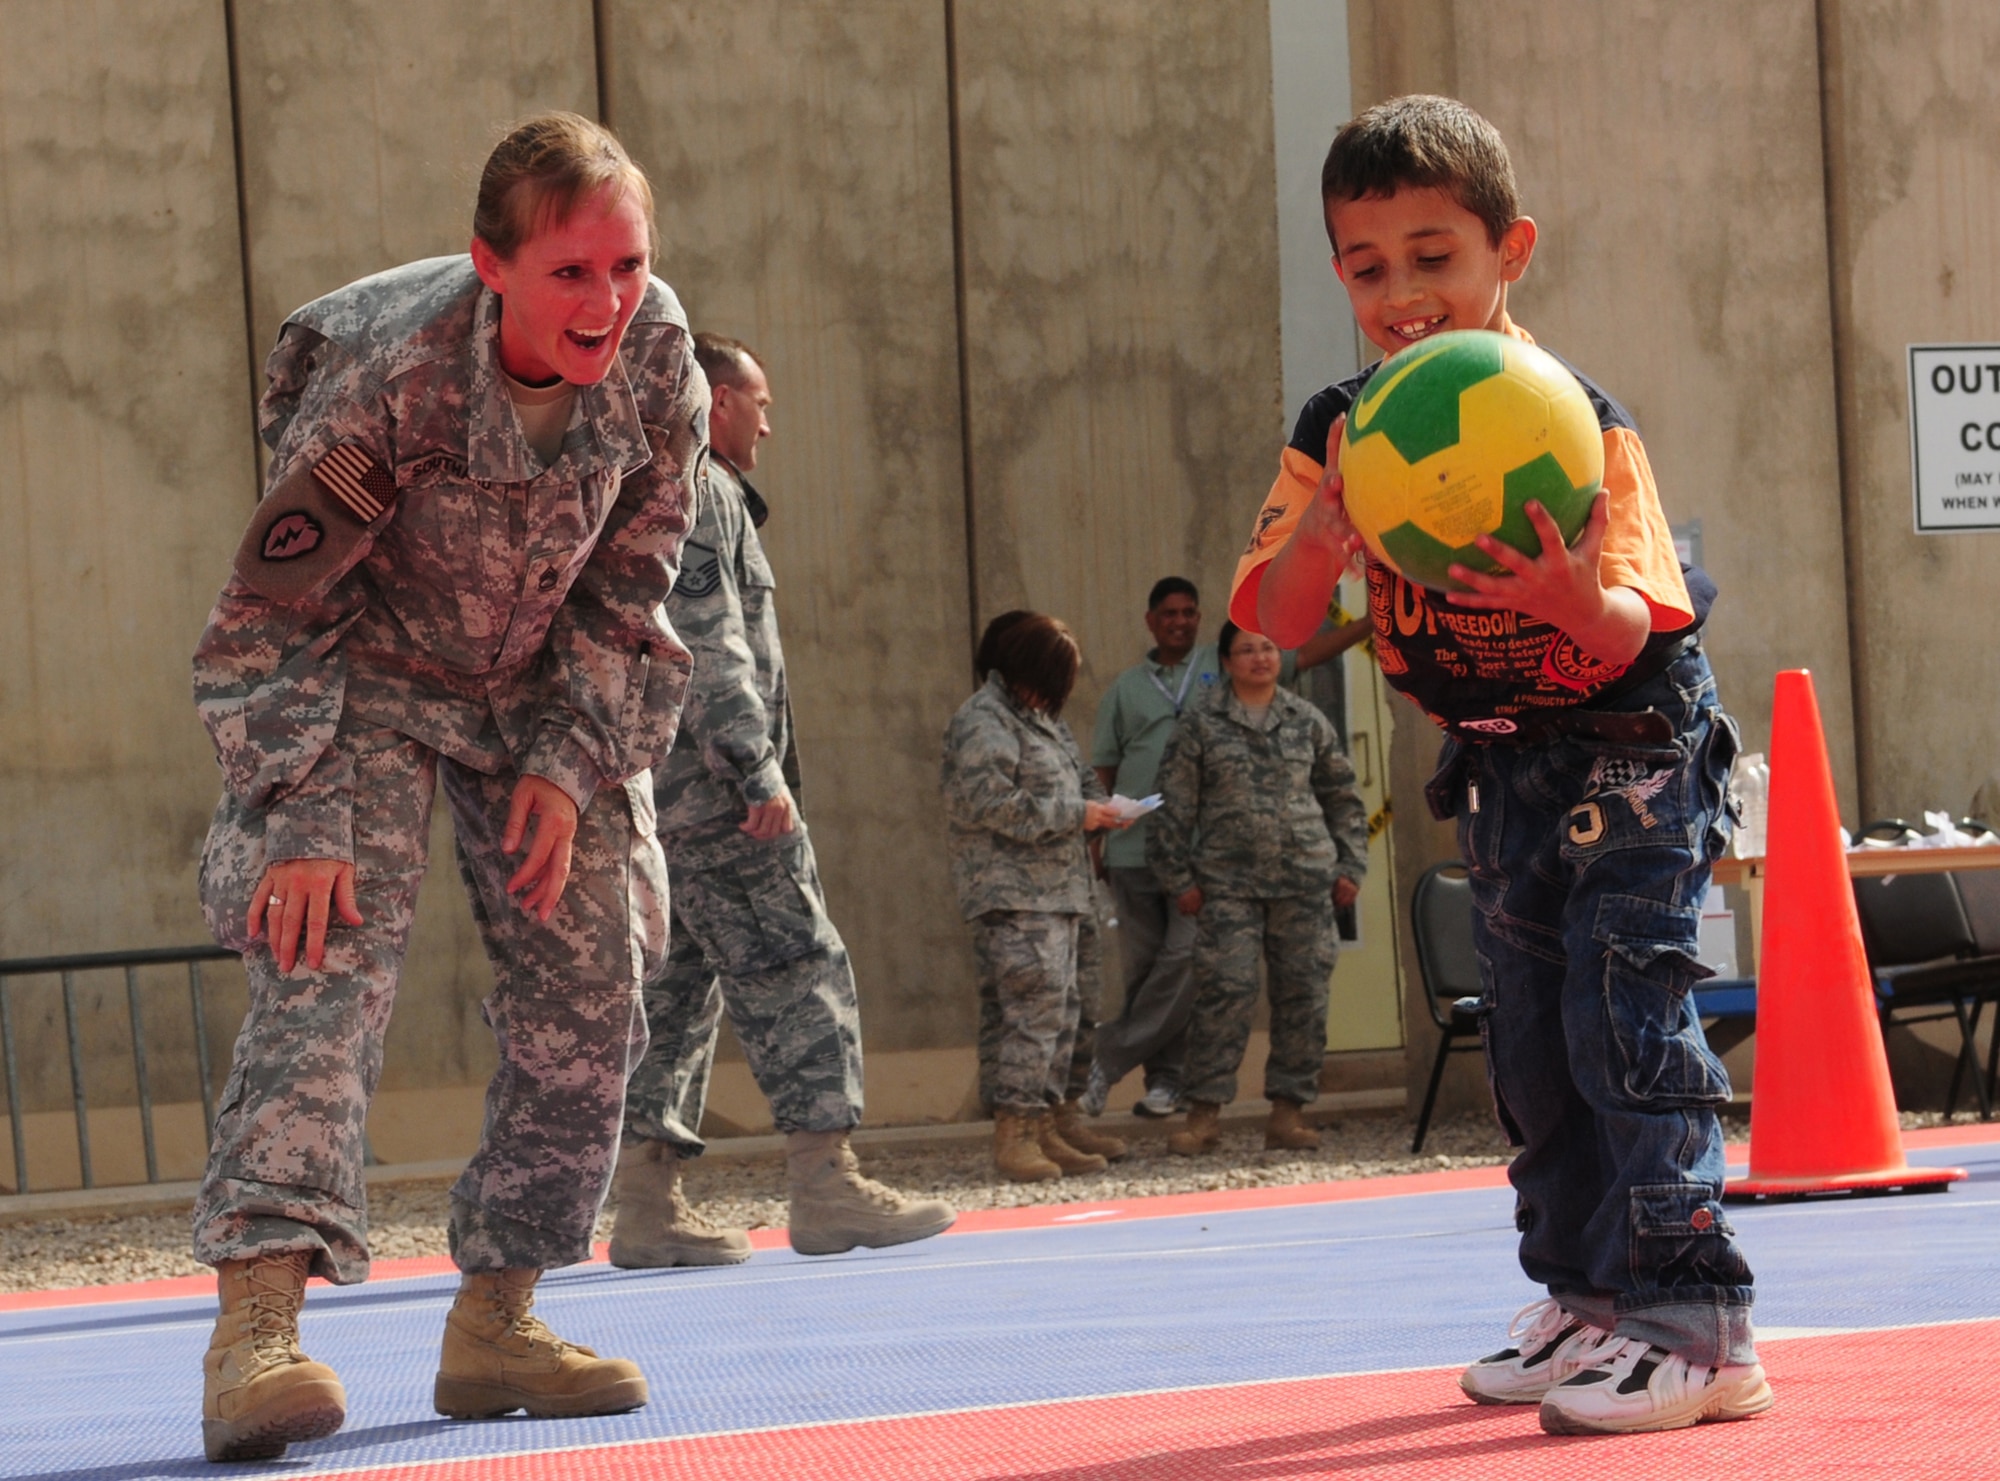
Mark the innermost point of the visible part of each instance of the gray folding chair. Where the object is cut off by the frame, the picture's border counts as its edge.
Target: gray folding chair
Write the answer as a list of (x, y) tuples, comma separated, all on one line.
[(1928, 965), (1441, 920), (1979, 893)]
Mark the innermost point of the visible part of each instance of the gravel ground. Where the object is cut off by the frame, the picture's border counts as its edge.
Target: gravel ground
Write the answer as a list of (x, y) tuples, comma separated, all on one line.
[(409, 1219)]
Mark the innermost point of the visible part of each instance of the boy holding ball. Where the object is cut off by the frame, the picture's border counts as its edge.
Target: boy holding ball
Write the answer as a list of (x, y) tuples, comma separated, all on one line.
[(1585, 761)]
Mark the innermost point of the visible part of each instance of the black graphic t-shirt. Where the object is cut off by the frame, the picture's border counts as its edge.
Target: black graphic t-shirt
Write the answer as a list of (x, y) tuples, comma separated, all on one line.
[(1480, 671)]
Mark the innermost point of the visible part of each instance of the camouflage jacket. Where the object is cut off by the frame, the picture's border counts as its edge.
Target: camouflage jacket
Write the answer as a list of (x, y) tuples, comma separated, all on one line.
[(1255, 811), (414, 562), (735, 744), (1014, 789)]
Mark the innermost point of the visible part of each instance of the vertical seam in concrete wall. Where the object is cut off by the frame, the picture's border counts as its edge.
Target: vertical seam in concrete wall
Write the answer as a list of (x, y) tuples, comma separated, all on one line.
[(1827, 45), (964, 345), (600, 32), (250, 355)]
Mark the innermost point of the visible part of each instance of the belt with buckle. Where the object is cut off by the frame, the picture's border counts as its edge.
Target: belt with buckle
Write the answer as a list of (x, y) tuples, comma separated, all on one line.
[(1646, 727), (1618, 727)]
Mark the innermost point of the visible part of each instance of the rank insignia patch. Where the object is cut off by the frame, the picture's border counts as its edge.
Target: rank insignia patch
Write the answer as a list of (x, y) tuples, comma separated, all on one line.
[(701, 572), (292, 536), (362, 486)]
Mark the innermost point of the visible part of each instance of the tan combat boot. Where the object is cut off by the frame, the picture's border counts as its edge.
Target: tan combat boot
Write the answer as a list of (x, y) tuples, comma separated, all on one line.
[(1065, 1156), (1017, 1147), (656, 1226), (1072, 1128), (499, 1358), (259, 1392), (1287, 1131), (834, 1208), (1202, 1131)]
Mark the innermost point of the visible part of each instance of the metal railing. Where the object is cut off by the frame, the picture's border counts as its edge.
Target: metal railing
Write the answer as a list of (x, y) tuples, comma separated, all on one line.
[(66, 968)]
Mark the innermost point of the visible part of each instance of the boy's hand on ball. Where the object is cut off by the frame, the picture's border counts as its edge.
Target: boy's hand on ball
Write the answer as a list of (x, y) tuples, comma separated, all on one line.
[(1561, 586), (1325, 522)]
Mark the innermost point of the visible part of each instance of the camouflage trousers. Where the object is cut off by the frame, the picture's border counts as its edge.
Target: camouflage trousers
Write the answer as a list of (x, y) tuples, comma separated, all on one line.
[(1089, 1007), (1029, 1007), (1089, 1001), (751, 937), (1294, 936), (284, 1169)]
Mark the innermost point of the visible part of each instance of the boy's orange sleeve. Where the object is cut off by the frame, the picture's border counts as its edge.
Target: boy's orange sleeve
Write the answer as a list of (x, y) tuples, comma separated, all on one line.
[(1297, 482), (1638, 546)]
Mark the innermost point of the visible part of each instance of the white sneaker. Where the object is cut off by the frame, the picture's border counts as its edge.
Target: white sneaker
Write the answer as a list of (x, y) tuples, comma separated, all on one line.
[(1160, 1100), (1634, 1387), (1549, 1346)]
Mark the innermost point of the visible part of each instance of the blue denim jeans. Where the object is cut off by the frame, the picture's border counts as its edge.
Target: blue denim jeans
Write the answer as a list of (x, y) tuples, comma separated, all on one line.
[(1589, 861)]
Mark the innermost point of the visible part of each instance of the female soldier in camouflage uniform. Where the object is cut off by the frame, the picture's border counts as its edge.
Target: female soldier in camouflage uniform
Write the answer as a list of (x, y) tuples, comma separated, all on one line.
[(1259, 835), (478, 491), (1019, 801)]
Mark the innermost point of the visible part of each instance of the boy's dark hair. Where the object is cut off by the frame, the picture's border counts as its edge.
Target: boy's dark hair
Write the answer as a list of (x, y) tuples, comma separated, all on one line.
[(1423, 142), (721, 359), (1171, 586), (1226, 639), (1032, 653)]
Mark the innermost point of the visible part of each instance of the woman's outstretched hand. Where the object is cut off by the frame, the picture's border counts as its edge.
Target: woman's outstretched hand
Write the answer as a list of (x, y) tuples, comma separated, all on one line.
[(297, 893)]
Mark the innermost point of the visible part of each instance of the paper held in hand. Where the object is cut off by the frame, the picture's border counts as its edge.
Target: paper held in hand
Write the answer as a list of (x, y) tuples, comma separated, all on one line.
[(1129, 809)]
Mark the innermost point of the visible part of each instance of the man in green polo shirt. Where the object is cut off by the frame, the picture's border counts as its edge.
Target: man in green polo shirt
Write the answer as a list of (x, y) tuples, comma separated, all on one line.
[(1134, 719)]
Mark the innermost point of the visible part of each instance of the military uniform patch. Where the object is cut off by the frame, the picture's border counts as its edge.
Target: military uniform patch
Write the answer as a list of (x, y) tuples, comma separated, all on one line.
[(362, 486), (433, 465), (292, 536), (312, 519), (701, 572)]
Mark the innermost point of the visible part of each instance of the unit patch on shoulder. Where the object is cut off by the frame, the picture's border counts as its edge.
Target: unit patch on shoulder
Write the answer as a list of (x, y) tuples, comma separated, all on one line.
[(313, 521), (291, 536)]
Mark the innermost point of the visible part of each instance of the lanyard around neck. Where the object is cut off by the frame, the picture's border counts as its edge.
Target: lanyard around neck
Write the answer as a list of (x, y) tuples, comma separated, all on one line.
[(1176, 699)]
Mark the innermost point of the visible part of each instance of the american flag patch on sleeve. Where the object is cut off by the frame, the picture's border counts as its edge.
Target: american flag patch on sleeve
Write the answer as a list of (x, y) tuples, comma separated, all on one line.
[(362, 486)]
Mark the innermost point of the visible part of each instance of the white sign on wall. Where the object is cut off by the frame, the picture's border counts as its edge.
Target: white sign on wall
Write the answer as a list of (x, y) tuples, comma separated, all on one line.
[(1955, 437)]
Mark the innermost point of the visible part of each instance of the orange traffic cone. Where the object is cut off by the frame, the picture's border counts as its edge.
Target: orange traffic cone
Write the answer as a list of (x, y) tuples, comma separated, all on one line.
[(1822, 1112)]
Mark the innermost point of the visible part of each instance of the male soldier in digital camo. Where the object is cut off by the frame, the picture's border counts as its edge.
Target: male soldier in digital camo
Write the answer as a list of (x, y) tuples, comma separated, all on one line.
[(1260, 834), (481, 477), (750, 929)]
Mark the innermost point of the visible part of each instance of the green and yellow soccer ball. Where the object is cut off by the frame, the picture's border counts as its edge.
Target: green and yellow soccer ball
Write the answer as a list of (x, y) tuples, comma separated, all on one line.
[(1451, 437)]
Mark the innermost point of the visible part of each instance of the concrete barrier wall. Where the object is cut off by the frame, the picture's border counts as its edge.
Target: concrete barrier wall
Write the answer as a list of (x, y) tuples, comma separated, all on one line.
[(125, 472), (1121, 281), (1912, 92), (1090, 188), (803, 164)]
